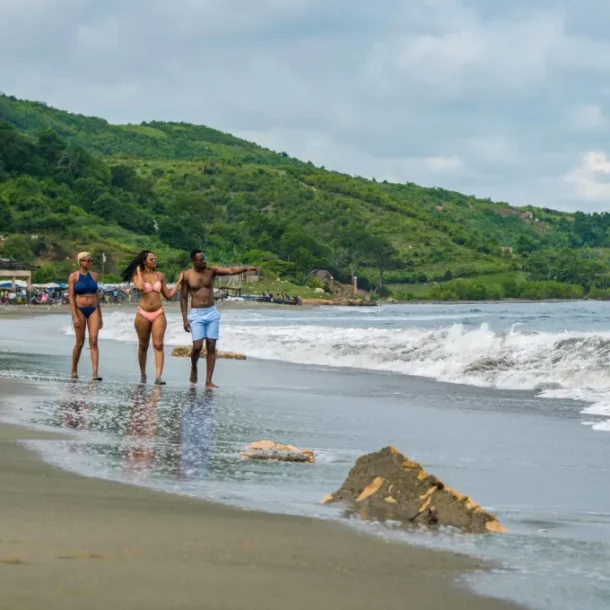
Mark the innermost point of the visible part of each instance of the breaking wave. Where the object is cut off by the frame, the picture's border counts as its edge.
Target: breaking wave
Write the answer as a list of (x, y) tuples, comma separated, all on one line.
[(572, 364)]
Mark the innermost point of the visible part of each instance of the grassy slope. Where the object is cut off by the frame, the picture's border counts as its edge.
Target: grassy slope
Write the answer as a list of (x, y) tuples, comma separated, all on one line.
[(423, 291), (433, 228)]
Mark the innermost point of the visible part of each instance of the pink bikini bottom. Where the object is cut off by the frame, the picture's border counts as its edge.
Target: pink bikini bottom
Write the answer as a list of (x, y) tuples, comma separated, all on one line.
[(151, 316)]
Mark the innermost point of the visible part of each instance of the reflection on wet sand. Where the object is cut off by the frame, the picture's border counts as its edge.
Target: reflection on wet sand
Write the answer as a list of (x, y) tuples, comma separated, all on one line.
[(76, 411), (159, 431), (173, 440), (141, 432), (196, 447)]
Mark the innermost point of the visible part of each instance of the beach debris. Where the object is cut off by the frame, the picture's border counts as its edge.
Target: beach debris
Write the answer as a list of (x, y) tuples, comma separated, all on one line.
[(268, 450), (185, 352), (389, 484)]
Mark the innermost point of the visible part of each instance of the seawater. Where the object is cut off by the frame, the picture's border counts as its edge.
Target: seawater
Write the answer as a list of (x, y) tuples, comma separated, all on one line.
[(557, 349), (520, 425)]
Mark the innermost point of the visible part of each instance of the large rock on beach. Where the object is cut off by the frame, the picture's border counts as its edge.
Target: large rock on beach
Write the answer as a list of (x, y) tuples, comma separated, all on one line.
[(268, 450), (389, 484), (185, 352)]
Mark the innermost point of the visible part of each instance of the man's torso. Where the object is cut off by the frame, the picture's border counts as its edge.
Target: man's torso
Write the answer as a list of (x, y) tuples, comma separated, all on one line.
[(201, 287)]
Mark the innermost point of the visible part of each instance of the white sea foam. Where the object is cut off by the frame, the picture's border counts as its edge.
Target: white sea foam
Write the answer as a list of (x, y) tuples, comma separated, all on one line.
[(572, 365)]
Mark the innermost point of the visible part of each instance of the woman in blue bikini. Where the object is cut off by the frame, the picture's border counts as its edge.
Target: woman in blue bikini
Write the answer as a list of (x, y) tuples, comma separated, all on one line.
[(86, 312)]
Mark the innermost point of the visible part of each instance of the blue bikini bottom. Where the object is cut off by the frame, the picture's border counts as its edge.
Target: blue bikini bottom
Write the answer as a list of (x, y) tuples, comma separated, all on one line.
[(87, 311)]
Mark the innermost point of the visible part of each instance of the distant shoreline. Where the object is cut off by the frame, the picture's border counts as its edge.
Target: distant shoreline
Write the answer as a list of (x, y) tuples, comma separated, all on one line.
[(24, 310), (488, 302)]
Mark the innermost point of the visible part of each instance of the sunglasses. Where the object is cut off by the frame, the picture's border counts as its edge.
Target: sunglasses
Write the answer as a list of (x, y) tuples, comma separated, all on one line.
[(86, 260)]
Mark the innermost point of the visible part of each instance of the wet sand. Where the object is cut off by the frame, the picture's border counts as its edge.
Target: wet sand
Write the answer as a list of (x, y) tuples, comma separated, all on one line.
[(71, 542)]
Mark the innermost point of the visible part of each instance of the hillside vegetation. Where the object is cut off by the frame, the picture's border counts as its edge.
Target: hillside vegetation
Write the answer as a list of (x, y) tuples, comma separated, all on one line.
[(70, 182)]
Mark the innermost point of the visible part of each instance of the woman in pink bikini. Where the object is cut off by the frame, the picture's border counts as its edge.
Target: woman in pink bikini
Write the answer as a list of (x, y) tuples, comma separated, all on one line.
[(150, 319)]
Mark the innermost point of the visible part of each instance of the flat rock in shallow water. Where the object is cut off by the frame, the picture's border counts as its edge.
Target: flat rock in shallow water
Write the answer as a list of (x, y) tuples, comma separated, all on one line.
[(185, 352), (268, 450), (390, 484)]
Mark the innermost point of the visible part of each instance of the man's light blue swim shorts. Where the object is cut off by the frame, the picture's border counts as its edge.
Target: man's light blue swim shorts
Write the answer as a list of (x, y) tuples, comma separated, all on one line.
[(205, 323)]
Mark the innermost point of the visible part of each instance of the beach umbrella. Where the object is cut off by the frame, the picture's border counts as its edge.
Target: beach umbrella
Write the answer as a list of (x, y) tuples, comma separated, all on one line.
[(18, 283)]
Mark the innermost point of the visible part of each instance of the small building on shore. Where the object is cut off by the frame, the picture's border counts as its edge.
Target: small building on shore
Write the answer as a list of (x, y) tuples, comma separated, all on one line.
[(12, 271)]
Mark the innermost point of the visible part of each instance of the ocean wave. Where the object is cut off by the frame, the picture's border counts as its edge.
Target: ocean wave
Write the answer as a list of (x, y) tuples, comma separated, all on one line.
[(571, 365)]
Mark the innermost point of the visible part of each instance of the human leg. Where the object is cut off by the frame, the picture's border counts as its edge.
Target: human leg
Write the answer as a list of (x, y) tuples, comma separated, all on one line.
[(197, 335), (210, 347), (79, 333), (93, 325), (212, 333), (195, 354), (158, 334), (143, 330)]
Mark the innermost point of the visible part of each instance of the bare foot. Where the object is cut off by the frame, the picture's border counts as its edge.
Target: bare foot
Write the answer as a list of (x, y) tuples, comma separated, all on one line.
[(209, 384), (193, 375)]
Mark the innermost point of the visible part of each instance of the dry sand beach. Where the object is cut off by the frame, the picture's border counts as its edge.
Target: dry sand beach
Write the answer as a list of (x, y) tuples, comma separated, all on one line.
[(69, 542)]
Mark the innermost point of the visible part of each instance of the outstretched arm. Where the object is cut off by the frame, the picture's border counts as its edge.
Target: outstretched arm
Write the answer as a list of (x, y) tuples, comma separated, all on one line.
[(165, 291), (232, 270)]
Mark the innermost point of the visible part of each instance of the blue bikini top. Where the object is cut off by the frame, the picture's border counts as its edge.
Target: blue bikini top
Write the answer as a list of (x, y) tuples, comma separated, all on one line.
[(85, 285)]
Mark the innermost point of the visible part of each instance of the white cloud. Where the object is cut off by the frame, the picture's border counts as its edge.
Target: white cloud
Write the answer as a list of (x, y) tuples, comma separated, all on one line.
[(591, 179)]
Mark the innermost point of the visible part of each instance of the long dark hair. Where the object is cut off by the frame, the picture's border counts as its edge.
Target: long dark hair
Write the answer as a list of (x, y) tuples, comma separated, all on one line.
[(138, 261)]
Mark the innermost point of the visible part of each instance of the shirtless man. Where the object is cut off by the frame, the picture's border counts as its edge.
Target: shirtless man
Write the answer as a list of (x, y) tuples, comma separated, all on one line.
[(204, 320)]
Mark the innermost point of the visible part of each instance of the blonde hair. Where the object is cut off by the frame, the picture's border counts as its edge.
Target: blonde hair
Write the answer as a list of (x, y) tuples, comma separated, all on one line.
[(82, 255)]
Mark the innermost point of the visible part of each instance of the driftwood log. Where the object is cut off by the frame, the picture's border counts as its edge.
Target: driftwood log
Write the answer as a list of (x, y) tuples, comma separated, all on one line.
[(185, 352)]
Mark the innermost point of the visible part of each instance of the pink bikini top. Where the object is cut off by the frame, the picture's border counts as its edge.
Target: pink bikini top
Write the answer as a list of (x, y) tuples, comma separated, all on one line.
[(156, 287)]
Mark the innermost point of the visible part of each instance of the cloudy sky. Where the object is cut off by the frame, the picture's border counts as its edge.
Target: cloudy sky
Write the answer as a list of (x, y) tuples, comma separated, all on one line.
[(506, 100)]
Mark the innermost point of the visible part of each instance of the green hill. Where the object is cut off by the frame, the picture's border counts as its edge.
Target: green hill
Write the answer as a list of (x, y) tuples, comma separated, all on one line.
[(69, 182)]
